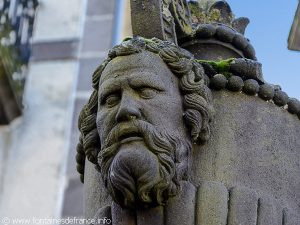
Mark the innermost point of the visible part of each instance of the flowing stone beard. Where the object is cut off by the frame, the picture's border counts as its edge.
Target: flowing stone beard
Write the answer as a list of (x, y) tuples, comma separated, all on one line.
[(144, 172)]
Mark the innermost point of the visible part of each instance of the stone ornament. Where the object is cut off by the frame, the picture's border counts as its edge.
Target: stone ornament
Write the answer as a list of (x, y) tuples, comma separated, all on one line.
[(216, 12), (182, 22), (164, 19), (149, 105)]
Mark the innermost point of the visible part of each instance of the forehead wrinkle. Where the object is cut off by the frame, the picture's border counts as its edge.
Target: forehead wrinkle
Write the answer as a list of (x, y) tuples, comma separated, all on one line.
[(115, 72), (149, 78)]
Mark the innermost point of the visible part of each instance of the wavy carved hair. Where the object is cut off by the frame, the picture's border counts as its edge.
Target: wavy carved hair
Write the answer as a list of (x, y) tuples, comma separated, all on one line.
[(197, 99)]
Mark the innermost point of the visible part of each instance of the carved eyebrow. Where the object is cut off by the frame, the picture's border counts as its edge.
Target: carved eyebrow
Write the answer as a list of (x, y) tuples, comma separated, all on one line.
[(147, 80), (106, 88)]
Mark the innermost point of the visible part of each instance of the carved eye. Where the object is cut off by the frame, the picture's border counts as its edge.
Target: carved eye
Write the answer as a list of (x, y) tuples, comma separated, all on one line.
[(112, 100), (148, 93)]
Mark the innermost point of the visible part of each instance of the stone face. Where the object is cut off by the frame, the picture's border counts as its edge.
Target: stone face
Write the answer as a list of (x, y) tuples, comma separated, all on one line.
[(136, 124), (139, 91)]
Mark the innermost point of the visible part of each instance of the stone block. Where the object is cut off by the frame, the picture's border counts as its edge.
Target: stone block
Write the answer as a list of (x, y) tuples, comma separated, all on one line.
[(290, 218), (181, 208), (269, 211), (212, 204), (242, 206)]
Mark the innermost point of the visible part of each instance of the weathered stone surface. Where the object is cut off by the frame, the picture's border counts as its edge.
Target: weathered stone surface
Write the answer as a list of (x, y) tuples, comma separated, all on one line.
[(181, 209), (212, 204), (280, 98), (95, 194), (266, 92), (225, 34), (122, 216), (248, 69), (253, 144), (218, 82), (205, 31), (290, 218), (269, 212), (150, 12), (240, 41), (150, 216), (249, 52), (235, 83), (211, 49), (242, 207), (73, 198), (293, 106), (251, 87)]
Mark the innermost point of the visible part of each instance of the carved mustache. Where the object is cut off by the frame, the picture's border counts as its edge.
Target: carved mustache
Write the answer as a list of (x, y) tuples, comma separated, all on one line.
[(134, 128)]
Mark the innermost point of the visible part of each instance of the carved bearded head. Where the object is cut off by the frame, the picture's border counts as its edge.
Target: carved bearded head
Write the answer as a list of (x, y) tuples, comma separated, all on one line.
[(149, 105)]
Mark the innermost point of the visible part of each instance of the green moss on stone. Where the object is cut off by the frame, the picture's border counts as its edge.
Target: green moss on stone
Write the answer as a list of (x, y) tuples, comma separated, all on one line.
[(222, 66)]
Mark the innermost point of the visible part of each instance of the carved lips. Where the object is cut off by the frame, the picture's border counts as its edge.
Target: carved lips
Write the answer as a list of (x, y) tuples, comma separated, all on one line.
[(129, 134)]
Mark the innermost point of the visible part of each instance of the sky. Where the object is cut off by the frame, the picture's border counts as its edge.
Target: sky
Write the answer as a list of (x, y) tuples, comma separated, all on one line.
[(268, 31)]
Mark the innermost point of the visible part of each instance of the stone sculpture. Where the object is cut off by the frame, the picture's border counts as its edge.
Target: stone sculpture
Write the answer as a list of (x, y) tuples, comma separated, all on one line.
[(150, 103), (185, 130)]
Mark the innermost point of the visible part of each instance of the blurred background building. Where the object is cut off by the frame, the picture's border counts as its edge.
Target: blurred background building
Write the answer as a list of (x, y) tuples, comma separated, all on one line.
[(40, 100), (38, 131)]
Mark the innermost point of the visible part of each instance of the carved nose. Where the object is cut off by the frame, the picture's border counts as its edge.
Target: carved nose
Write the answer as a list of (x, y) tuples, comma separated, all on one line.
[(128, 110)]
